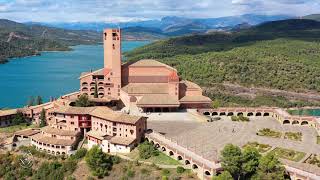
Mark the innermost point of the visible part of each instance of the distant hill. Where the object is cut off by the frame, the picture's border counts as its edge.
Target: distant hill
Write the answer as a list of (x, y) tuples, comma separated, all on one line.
[(174, 26), (283, 55), (18, 40), (315, 17)]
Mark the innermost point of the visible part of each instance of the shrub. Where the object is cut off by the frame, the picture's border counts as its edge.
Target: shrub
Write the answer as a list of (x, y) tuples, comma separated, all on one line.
[(147, 150), (180, 170), (165, 178), (130, 173), (144, 171), (165, 172), (115, 159), (80, 153)]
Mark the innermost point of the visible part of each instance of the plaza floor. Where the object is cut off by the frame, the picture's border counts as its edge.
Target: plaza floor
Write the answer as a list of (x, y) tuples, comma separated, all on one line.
[(209, 138)]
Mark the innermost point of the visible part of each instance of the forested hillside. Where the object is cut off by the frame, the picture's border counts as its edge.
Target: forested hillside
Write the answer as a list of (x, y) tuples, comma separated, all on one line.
[(281, 55), (18, 40)]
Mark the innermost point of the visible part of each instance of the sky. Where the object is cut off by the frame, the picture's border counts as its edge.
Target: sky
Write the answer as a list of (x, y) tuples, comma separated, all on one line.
[(136, 10)]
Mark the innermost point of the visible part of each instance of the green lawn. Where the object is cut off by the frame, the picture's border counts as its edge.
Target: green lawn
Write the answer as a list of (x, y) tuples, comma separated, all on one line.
[(12, 129), (296, 136), (289, 154), (262, 148), (160, 159), (270, 133)]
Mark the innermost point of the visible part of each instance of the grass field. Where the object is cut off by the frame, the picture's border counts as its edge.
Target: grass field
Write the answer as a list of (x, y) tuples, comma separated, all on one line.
[(289, 154), (12, 129), (262, 148), (160, 159), (270, 133), (296, 136)]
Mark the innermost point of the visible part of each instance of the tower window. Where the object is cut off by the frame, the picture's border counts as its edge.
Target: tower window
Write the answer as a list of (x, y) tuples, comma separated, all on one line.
[(113, 46), (105, 36)]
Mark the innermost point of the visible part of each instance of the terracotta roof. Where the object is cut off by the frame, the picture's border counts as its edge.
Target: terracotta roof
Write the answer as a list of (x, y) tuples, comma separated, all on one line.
[(147, 63), (8, 112), (51, 130), (190, 84), (108, 114), (98, 135), (73, 110), (97, 72), (53, 141), (122, 140), (195, 99), (146, 88), (47, 105), (158, 100), (27, 132)]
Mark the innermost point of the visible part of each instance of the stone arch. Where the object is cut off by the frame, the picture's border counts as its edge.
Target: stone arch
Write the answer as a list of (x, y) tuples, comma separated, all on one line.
[(207, 173), (133, 99), (295, 122), (84, 84), (266, 114), (215, 114), (303, 123), (100, 84), (171, 153), (152, 142), (85, 89), (157, 145), (250, 114), (101, 94), (100, 89), (146, 139), (194, 166), (206, 113), (179, 158), (163, 148), (186, 162), (230, 114), (222, 113), (92, 84), (92, 89), (92, 94), (258, 114), (286, 121), (240, 114)]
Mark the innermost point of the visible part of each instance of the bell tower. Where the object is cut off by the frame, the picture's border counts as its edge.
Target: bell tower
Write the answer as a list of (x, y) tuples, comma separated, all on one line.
[(112, 61)]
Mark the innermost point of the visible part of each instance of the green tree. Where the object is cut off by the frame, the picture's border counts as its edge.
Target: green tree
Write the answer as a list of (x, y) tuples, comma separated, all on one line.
[(270, 168), (30, 101), (147, 150), (43, 121), (216, 104), (95, 90), (98, 162), (18, 118), (38, 100), (225, 175), (232, 160), (83, 101), (250, 162)]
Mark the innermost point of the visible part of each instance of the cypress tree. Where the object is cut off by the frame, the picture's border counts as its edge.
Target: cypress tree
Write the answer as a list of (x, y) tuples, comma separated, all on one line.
[(95, 90), (43, 118)]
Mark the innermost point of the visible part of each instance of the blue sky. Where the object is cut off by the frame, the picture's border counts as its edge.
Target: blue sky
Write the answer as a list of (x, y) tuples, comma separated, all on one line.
[(132, 10)]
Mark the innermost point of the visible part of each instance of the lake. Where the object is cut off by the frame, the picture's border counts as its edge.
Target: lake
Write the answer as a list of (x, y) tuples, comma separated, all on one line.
[(50, 75), (305, 112)]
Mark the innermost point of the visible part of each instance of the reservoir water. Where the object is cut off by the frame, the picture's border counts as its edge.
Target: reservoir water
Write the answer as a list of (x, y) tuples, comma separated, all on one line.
[(305, 112), (50, 75)]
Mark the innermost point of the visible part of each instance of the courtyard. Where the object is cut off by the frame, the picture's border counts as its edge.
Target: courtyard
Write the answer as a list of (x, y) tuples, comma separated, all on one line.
[(208, 138)]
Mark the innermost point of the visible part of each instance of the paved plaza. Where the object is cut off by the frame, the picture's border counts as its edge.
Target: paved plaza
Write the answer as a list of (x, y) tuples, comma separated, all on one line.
[(208, 138)]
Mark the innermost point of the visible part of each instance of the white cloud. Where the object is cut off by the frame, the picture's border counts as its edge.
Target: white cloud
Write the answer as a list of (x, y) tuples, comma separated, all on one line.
[(130, 10)]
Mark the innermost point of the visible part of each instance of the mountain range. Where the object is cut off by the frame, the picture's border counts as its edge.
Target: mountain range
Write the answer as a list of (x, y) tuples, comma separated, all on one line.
[(19, 40), (170, 25)]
